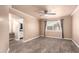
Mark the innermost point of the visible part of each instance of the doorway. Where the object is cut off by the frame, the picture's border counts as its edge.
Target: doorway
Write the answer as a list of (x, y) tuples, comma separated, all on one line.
[(16, 27)]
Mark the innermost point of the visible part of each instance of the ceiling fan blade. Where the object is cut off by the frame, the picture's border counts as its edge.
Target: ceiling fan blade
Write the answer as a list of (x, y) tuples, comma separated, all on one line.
[(46, 12), (51, 13)]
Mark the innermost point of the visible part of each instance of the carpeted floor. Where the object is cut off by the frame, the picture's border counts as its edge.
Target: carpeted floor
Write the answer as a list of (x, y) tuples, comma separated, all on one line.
[(44, 45)]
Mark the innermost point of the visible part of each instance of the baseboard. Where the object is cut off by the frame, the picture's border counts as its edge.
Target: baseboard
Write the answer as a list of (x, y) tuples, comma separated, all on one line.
[(60, 38), (52, 37), (67, 38), (31, 39), (75, 43)]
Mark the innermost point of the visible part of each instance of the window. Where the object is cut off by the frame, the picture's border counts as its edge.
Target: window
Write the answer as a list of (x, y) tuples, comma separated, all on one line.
[(53, 26)]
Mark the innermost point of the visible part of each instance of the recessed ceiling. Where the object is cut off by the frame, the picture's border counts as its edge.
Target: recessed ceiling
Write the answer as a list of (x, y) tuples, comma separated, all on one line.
[(60, 10)]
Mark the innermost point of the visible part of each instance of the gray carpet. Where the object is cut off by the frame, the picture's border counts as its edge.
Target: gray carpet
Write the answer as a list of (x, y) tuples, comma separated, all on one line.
[(43, 45)]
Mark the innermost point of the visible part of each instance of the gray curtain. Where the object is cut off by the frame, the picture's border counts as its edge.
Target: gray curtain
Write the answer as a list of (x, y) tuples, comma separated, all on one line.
[(45, 23), (62, 28)]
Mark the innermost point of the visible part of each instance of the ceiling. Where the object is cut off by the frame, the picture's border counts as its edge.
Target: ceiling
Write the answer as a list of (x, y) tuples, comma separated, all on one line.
[(60, 10)]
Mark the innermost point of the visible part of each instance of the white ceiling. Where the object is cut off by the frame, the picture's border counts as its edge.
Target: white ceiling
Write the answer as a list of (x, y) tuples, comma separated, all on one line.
[(60, 10)]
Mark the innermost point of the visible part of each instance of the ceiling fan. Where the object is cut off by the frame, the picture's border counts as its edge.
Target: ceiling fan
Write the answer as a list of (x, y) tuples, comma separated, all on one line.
[(45, 12)]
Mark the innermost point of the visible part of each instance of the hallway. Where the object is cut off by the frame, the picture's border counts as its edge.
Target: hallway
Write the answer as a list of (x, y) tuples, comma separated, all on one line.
[(44, 45)]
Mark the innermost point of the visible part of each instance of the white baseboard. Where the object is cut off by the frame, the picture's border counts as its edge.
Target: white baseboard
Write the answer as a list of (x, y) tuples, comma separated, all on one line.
[(49, 36), (31, 39), (60, 38), (75, 43), (67, 38)]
